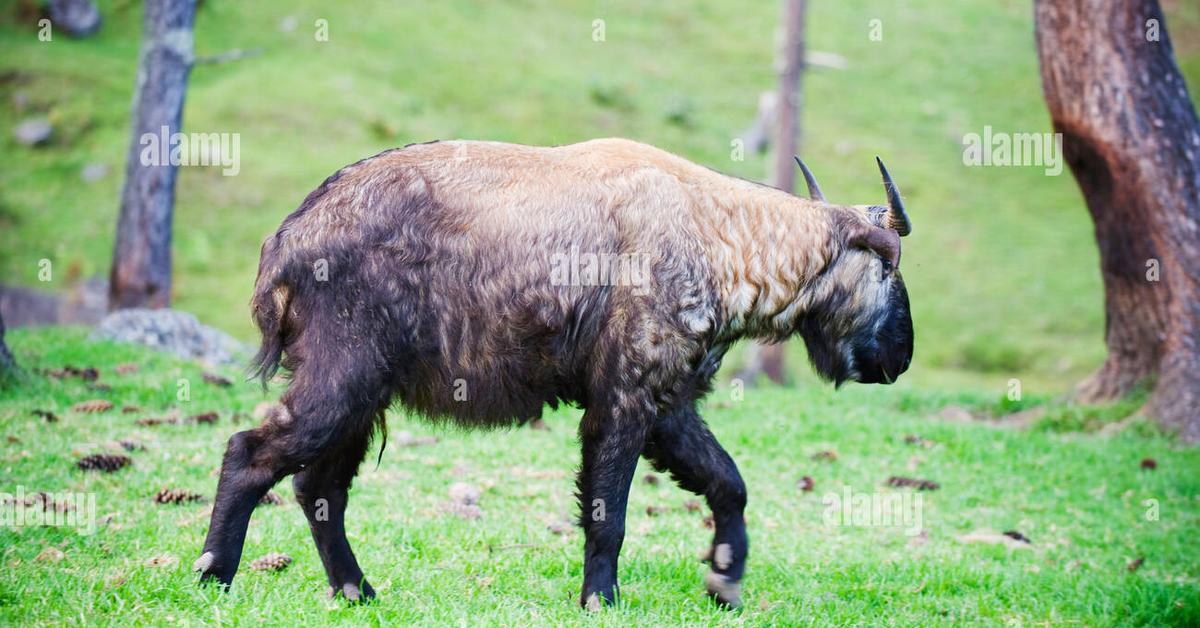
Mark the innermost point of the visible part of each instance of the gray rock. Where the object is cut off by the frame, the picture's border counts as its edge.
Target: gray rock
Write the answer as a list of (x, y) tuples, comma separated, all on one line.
[(83, 303), (33, 132), (172, 331)]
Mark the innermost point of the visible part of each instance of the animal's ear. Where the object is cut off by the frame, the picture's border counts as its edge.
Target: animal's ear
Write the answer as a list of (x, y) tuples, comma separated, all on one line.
[(884, 242)]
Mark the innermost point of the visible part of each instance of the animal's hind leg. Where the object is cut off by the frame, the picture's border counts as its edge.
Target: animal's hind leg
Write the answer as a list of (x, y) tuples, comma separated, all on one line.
[(321, 490), (681, 444), (611, 442), (324, 405)]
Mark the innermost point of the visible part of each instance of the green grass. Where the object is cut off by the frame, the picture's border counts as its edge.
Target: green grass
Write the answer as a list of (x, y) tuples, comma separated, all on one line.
[(1002, 266), (1080, 497), (1002, 270)]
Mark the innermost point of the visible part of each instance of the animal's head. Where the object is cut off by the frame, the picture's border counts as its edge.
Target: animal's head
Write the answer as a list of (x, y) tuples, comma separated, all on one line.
[(859, 326)]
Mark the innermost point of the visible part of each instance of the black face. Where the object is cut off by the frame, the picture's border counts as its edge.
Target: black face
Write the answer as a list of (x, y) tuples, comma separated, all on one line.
[(874, 353), (881, 357)]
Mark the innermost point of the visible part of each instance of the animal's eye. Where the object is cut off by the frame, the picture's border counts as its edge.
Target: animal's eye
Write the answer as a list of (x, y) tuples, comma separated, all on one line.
[(887, 266)]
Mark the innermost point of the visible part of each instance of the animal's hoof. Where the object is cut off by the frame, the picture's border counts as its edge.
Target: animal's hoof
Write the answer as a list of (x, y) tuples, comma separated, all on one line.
[(593, 604), (594, 599), (210, 573), (204, 563), (352, 593), (723, 590)]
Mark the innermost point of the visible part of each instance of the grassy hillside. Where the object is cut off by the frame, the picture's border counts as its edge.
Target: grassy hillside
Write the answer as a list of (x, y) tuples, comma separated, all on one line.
[(1083, 500), (1001, 266)]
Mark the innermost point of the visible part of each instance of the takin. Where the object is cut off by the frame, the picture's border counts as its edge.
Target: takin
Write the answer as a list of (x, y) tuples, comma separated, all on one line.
[(478, 282)]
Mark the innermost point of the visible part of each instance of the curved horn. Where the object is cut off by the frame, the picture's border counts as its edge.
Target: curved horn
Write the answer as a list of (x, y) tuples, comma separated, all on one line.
[(814, 190), (897, 217)]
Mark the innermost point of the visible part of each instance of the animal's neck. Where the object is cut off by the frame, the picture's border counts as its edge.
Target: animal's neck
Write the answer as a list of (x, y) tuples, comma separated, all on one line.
[(765, 247)]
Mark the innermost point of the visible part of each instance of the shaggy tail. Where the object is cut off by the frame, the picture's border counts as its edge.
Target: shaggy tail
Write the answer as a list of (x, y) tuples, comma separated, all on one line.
[(269, 307)]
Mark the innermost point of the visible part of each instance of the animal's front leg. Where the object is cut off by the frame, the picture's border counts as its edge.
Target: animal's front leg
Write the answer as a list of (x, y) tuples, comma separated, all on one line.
[(681, 444), (612, 441)]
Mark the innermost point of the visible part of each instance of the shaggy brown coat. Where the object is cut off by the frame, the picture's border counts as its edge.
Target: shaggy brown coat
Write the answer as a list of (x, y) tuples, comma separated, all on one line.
[(477, 282)]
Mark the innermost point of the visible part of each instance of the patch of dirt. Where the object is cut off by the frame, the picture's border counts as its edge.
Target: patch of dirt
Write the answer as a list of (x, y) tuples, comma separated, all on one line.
[(50, 555), (464, 501)]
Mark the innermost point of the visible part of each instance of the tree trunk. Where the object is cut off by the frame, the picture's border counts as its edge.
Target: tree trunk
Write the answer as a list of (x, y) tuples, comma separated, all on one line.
[(787, 117), (768, 358), (1132, 140), (8, 365), (141, 268), (78, 18)]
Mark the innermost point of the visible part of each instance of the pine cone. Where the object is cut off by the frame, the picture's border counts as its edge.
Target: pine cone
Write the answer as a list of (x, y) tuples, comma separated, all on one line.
[(176, 496), (271, 499), (208, 418), (131, 445), (920, 485), (913, 439), (103, 462), (271, 562), (216, 380), (49, 416), (48, 503), (87, 373), (93, 405)]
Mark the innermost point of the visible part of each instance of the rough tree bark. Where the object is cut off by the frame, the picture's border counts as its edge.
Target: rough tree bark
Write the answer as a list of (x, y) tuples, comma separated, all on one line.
[(767, 359), (1132, 140), (7, 364), (791, 73), (141, 268)]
